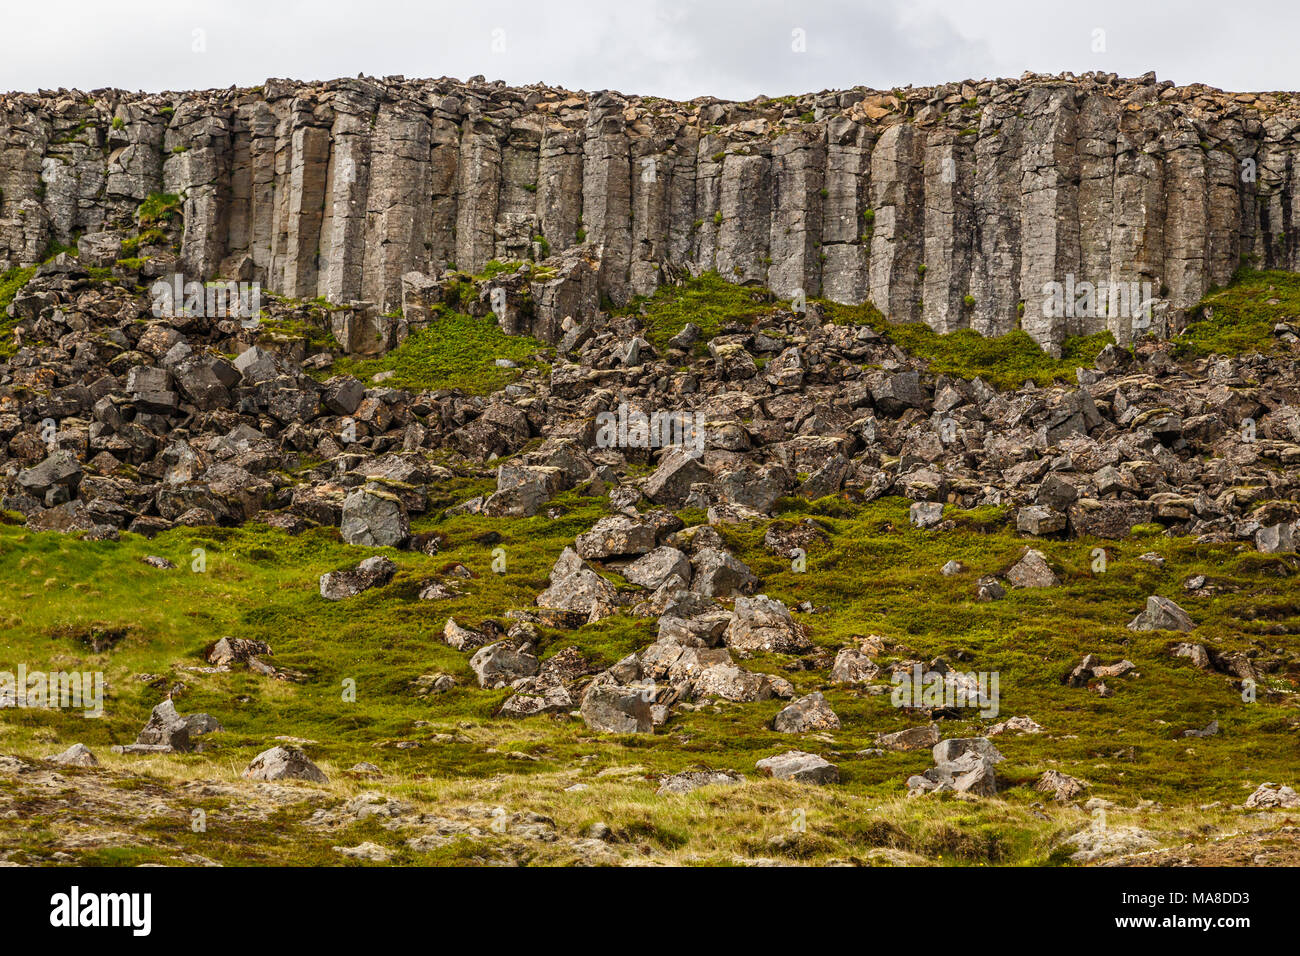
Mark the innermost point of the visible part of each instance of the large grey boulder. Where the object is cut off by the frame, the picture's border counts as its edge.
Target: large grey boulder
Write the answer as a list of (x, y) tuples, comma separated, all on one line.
[(616, 536), (729, 681), (689, 780), (165, 729), (373, 572), (374, 518), (913, 738), (1032, 571), (764, 624), (671, 482), (1162, 614), (720, 574), (613, 708), (60, 469), (502, 663), (808, 713), (801, 767), (653, 569), (853, 666), (78, 755), (1275, 539), (575, 586), (693, 620), (284, 763), (963, 764)]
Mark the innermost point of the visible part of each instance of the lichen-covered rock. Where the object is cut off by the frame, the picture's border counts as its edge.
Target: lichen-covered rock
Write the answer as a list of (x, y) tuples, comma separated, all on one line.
[(284, 763), (801, 767)]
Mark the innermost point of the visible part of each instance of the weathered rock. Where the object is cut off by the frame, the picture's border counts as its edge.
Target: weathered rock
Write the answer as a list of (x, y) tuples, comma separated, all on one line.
[(690, 780), (810, 713), (1032, 571), (1162, 614), (373, 572), (374, 518), (78, 755), (961, 764), (800, 767), (616, 709), (853, 666), (165, 729), (653, 569), (1061, 786), (913, 738), (284, 763), (720, 574), (616, 536), (502, 663), (761, 624)]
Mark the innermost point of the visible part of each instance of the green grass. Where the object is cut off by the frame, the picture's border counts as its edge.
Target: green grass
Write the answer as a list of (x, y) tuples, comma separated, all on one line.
[(709, 301), (1240, 318), (1007, 361), (11, 281), (1004, 361), (455, 351), (261, 583), (158, 208)]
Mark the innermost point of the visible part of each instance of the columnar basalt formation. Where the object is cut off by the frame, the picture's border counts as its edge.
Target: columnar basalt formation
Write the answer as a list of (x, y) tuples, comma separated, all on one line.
[(954, 205)]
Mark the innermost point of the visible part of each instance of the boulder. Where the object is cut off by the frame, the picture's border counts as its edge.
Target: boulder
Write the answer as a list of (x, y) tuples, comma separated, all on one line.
[(616, 536), (670, 484), (1032, 571), (373, 572), (284, 763), (719, 574), (502, 663), (913, 738), (800, 767), (764, 624), (809, 713), (165, 729), (613, 708), (576, 586), (653, 569), (78, 755), (1162, 614), (853, 666), (374, 518), (963, 764)]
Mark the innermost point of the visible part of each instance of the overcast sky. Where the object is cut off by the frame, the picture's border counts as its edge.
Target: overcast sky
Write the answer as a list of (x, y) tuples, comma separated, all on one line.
[(733, 49)]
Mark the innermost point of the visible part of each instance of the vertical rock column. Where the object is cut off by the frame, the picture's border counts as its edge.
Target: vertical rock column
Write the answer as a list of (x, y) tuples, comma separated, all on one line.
[(897, 191), (607, 192), (1049, 221), (745, 202), (478, 191), (846, 271), (949, 229), (559, 185), (798, 178)]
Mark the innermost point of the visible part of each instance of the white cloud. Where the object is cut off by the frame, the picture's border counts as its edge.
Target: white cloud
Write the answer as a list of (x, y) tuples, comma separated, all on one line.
[(675, 48)]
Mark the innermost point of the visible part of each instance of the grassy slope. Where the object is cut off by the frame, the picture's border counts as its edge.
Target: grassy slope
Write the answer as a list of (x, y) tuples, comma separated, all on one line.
[(1008, 361), (260, 583)]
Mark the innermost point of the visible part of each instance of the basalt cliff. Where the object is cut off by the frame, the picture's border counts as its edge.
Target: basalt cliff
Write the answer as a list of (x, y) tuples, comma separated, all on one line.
[(953, 205)]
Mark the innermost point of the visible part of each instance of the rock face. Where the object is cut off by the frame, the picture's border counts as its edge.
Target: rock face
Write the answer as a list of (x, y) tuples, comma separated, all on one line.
[(357, 189)]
